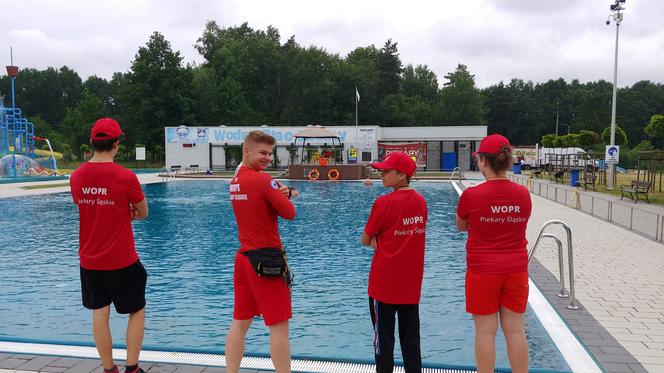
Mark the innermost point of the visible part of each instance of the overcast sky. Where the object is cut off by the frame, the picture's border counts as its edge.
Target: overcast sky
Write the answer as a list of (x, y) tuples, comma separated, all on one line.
[(497, 39)]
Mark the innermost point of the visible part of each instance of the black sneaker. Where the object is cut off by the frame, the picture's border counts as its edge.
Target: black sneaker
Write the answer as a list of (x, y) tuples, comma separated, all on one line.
[(137, 370)]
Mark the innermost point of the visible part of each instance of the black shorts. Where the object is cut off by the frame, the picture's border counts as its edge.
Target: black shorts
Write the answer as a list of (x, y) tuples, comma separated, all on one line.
[(124, 287)]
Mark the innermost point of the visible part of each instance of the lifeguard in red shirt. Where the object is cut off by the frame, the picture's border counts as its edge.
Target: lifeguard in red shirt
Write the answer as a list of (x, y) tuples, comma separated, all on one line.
[(258, 201), (109, 197), (396, 230), (495, 214)]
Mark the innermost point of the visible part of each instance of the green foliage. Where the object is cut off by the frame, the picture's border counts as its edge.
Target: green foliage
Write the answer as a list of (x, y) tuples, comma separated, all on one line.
[(461, 103), (655, 128), (620, 136), (586, 139), (249, 77), (644, 145), (79, 119), (569, 141), (549, 140)]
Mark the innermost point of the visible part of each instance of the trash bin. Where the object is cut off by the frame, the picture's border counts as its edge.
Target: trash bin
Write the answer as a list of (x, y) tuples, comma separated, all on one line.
[(516, 168), (574, 177)]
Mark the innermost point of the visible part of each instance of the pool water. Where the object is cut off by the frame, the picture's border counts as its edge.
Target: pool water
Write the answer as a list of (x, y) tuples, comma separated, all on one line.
[(188, 244)]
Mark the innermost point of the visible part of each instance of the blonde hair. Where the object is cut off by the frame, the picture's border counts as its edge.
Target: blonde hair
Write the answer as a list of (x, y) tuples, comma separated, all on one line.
[(259, 137)]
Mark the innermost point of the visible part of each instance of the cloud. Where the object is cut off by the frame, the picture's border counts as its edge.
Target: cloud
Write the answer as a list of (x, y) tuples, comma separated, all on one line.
[(497, 40)]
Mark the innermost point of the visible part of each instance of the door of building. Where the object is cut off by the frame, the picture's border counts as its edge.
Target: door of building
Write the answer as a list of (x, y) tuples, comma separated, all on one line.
[(217, 157)]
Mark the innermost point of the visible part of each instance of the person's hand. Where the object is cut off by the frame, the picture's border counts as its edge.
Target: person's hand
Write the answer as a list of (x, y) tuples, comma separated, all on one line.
[(133, 212), (374, 242), (282, 188)]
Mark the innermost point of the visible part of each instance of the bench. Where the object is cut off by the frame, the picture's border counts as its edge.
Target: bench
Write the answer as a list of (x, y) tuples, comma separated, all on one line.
[(176, 169), (588, 181), (558, 176), (537, 174), (634, 189)]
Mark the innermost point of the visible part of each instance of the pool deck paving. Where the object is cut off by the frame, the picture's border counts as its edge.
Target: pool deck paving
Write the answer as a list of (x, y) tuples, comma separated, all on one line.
[(619, 284)]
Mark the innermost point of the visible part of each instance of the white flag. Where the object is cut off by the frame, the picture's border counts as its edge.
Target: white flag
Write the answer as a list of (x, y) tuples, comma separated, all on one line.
[(357, 95)]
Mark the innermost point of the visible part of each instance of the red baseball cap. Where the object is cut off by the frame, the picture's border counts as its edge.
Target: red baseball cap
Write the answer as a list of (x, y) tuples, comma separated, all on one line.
[(397, 161), (106, 129), (492, 144)]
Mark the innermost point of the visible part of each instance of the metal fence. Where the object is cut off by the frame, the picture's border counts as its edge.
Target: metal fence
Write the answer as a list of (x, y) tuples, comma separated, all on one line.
[(646, 223)]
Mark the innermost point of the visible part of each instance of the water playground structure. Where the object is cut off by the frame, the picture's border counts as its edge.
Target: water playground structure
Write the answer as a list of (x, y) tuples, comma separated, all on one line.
[(18, 156)]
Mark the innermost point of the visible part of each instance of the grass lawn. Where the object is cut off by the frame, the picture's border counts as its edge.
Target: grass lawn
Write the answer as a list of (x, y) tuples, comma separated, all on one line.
[(656, 197)]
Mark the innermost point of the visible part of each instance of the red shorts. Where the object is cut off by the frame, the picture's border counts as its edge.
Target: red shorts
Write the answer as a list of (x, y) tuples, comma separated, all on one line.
[(256, 295), (487, 292)]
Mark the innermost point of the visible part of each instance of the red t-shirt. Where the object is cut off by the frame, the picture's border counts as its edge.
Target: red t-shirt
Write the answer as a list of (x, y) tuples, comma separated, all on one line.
[(398, 220), (257, 202), (497, 212), (103, 192)]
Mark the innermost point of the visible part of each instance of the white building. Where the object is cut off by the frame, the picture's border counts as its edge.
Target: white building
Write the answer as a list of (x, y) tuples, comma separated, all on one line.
[(436, 148)]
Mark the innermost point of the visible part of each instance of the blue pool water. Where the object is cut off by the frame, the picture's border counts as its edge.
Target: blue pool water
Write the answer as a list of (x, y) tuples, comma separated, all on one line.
[(188, 244)]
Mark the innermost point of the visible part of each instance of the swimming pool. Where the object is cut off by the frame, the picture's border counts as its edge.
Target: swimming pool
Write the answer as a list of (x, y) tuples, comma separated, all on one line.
[(188, 244)]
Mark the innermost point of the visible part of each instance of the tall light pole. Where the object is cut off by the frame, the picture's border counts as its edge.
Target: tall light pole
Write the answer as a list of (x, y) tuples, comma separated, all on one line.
[(617, 17)]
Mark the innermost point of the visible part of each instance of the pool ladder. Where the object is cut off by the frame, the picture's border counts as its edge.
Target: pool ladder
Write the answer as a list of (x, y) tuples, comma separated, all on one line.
[(455, 170), (166, 174), (570, 256)]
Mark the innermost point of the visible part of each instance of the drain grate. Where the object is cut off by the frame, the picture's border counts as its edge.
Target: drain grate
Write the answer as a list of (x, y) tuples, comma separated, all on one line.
[(206, 359)]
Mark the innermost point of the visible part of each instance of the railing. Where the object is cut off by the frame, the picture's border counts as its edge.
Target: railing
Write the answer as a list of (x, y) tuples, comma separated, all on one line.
[(166, 174), (625, 215), (453, 171), (570, 258)]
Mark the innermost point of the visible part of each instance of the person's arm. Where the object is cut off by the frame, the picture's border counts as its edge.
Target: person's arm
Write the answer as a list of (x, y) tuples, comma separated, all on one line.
[(138, 204), (462, 212), (369, 240), (271, 189), (462, 224), (139, 210), (373, 227)]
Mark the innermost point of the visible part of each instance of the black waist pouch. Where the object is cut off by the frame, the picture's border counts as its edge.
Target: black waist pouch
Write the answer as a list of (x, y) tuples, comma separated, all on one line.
[(270, 262)]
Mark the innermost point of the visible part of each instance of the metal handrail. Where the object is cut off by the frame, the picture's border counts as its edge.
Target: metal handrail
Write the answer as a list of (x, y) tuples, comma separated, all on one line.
[(570, 257), (167, 174), (453, 171)]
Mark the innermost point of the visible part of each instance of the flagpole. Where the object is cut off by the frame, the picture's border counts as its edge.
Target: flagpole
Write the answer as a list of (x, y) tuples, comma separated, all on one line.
[(356, 138)]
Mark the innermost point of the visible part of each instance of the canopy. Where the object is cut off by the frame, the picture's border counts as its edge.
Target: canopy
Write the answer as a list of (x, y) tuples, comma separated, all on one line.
[(316, 132)]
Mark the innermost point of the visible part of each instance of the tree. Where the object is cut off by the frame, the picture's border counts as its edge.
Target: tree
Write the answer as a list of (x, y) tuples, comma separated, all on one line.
[(621, 136), (460, 102), (586, 139), (655, 128), (549, 140), (78, 120), (570, 140), (155, 93), (389, 69), (419, 81)]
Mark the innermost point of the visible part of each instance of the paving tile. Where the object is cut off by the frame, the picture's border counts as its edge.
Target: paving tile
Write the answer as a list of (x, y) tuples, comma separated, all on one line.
[(54, 369), (4, 356), (66, 362), (38, 362), (163, 368), (189, 369), (11, 363), (617, 368), (214, 370), (84, 366), (638, 368)]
